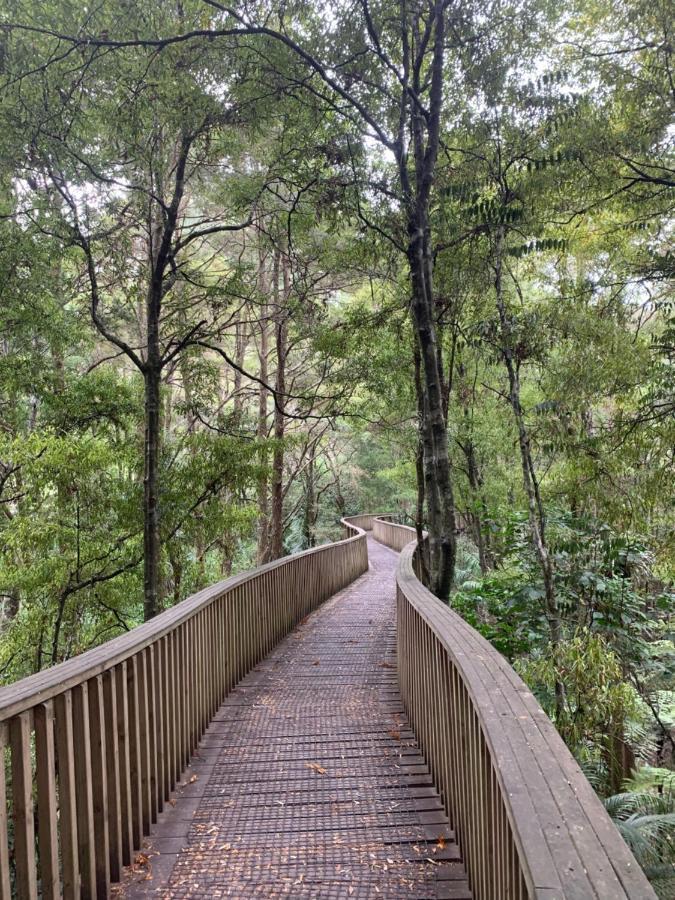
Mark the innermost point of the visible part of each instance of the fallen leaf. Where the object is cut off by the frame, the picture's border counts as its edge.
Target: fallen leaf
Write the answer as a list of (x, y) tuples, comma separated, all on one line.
[(395, 734), (192, 779), (441, 843), (316, 768)]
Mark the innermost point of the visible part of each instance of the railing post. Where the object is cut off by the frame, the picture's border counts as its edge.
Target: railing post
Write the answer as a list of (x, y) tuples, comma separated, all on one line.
[(4, 842), (45, 761), (22, 797)]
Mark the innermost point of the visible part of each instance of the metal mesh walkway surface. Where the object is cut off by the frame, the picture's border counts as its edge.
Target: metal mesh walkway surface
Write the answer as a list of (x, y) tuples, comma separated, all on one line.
[(309, 781)]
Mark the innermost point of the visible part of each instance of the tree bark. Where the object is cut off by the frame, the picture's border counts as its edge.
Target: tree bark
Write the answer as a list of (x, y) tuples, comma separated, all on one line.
[(241, 341), (281, 338), (151, 534), (416, 196), (263, 356), (422, 462), (310, 510)]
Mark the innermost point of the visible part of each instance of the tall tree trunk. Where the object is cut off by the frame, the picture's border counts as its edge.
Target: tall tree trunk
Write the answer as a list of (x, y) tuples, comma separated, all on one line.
[(263, 392), (281, 338), (438, 483), (200, 548), (240, 344), (422, 462), (310, 510), (416, 192), (151, 534)]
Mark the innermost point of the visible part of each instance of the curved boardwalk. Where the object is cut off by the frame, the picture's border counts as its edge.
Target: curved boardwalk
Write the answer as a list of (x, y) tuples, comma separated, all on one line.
[(309, 782)]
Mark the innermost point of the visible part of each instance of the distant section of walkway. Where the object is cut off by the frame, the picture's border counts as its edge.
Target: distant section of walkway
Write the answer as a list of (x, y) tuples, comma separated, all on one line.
[(309, 782)]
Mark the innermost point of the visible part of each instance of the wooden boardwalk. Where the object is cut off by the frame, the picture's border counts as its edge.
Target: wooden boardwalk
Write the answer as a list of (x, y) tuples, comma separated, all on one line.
[(309, 782)]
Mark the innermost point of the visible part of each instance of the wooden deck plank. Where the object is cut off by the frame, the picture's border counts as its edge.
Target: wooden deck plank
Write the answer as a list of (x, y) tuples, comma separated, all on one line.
[(309, 781)]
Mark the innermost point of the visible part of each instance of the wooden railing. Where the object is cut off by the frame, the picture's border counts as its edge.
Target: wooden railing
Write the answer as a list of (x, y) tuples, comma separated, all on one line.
[(391, 534), (528, 822), (364, 521), (94, 746)]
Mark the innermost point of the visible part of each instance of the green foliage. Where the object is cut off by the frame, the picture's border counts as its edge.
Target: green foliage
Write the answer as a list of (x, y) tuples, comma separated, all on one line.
[(646, 820), (550, 237), (597, 702)]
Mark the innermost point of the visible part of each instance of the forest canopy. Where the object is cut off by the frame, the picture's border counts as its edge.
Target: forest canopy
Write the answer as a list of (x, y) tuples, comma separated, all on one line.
[(268, 264)]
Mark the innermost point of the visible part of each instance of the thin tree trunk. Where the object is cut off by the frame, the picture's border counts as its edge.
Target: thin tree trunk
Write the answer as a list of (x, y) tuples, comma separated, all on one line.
[(151, 534), (438, 484), (263, 392), (200, 550), (281, 337), (310, 511), (240, 344), (422, 460)]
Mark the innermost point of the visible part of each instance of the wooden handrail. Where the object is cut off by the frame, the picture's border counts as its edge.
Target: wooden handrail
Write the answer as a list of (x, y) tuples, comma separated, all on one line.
[(105, 736), (528, 822), (391, 534)]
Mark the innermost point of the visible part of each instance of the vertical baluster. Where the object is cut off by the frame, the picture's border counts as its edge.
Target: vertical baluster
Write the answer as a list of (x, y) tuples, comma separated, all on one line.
[(230, 652), (159, 673), (484, 857), (156, 730), (22, 795), (236, 633), (212, 662), (167, 713), (4, 843), (45, 762), (99, 785), (65, 750), (462, 762), (208, 666), (124, 750), (114, 762), (144, 739), (181, 691), (178, 694), (190, 687), (199, 679), (243, 635), (149, 654), (136, 754), (221, 644), (172, 700), (86, 845), (194, 681)]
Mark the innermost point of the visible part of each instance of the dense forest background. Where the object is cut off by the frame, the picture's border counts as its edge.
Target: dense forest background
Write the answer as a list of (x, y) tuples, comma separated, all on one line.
[(262, 266)]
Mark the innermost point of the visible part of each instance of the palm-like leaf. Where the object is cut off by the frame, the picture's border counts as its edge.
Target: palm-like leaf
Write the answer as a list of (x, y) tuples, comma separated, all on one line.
[(647, 824)]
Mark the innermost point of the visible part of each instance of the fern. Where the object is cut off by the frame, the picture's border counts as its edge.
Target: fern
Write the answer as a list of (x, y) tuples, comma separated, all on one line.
[(646, 822)]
